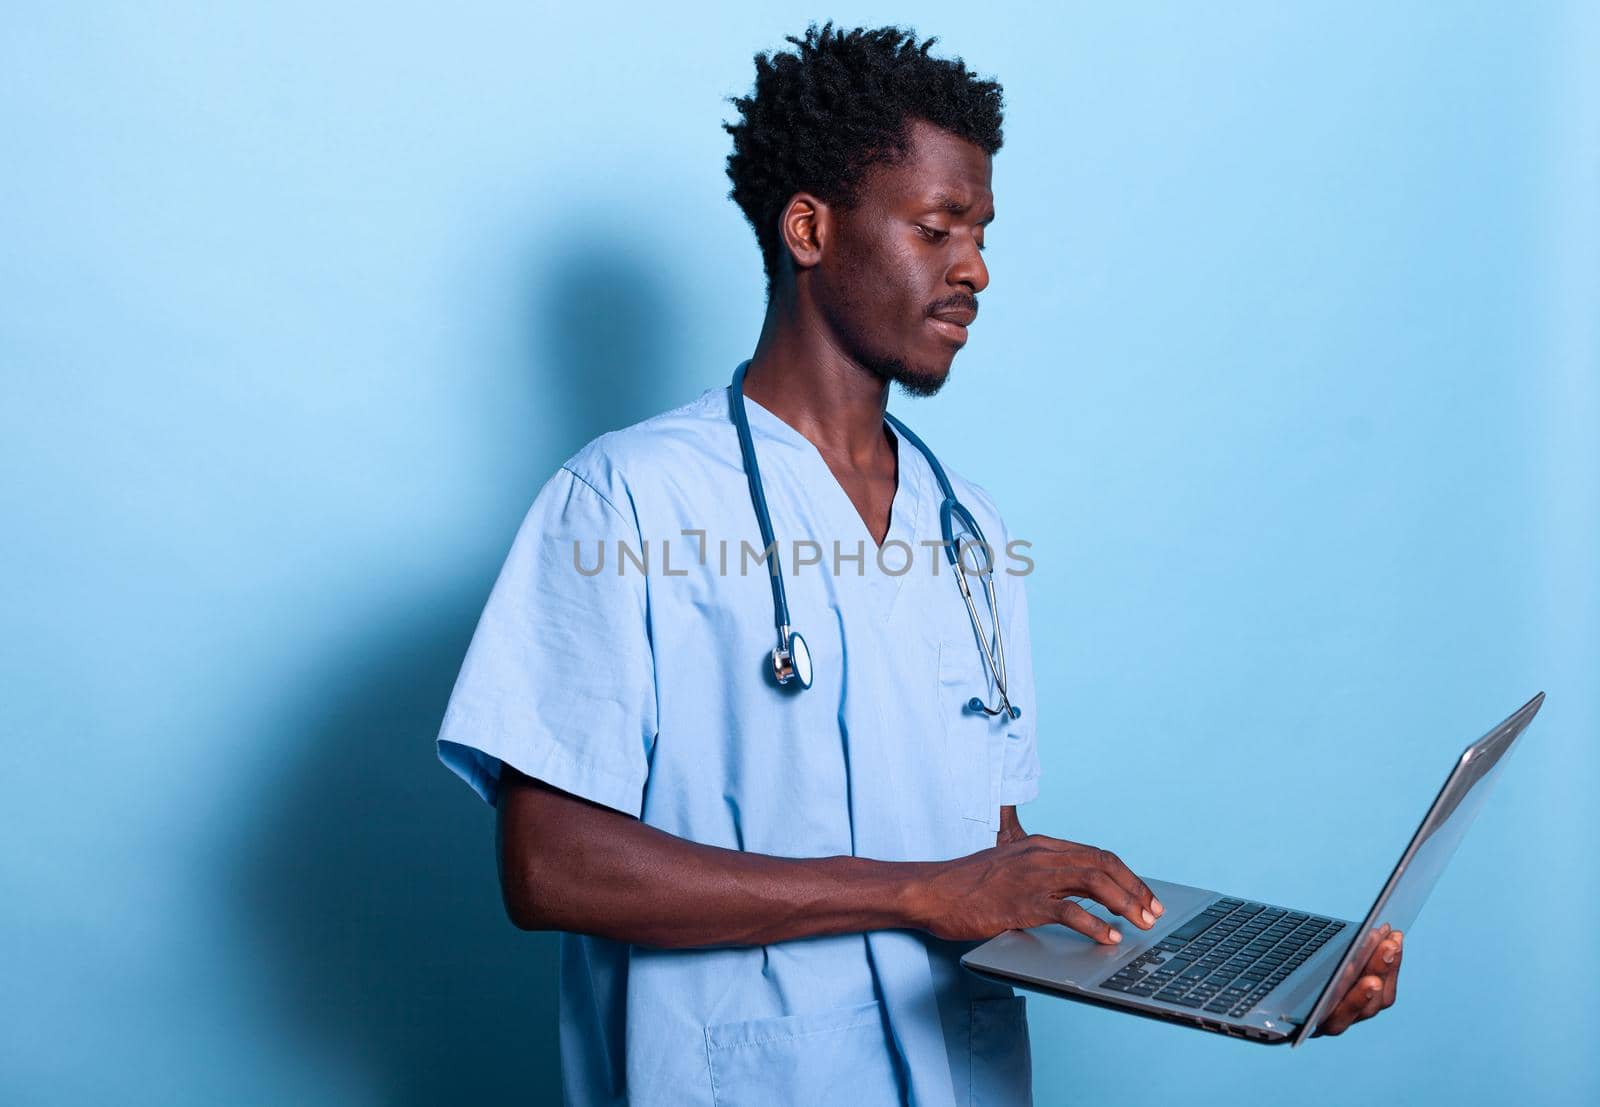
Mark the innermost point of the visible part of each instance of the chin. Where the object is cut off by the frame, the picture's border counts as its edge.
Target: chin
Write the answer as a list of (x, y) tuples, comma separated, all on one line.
[(921, 379), (924, 384)]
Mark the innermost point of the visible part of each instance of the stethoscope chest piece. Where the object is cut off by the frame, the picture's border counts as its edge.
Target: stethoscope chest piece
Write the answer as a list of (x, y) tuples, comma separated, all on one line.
[(792, 664), (791, 661)]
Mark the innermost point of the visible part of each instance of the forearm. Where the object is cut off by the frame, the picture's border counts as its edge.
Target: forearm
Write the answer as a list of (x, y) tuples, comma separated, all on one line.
[(588, 870)]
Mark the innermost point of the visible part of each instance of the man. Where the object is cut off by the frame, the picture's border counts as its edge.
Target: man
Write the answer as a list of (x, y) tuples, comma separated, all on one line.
[(765, 889)]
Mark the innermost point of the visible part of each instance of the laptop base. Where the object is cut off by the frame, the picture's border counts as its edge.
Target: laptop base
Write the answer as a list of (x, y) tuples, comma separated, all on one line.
[(1055, 960)]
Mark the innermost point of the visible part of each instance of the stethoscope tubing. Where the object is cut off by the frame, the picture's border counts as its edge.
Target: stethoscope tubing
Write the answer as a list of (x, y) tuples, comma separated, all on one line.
[(949, 508), (752, 472)]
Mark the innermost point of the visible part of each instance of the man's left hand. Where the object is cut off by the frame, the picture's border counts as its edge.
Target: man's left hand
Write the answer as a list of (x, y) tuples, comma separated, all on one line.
[(1373, 990)]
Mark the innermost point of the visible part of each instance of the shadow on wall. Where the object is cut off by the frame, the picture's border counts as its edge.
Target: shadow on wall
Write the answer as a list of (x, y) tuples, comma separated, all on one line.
[(603, 332), (370, 883), (372, 888)]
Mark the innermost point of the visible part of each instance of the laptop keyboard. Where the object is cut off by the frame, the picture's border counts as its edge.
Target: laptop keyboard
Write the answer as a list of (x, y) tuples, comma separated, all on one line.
[(1226, 958)]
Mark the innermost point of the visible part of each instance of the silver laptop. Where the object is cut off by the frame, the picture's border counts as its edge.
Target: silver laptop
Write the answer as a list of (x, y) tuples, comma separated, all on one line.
[(1237, 966)]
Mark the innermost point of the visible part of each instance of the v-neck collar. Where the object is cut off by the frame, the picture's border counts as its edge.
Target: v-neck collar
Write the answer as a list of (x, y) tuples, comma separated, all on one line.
[(904, 509)]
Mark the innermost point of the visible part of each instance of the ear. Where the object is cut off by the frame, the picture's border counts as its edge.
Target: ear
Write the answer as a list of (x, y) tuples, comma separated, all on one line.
[(805, 227)]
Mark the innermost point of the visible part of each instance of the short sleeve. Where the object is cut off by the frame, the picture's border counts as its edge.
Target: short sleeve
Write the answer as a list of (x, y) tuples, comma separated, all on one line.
[(1019, 774), (559, 680)]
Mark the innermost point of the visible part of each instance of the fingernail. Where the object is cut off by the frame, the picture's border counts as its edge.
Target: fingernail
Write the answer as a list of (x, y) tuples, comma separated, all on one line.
[(1155, 905), (1116, 935), (1388, 957), (1149, 919)]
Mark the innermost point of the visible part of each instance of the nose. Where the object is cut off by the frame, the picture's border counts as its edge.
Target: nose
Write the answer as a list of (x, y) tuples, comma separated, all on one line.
[(969, 269)]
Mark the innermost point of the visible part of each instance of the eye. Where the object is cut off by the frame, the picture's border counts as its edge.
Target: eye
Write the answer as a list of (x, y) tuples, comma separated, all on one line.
[(932, 234)]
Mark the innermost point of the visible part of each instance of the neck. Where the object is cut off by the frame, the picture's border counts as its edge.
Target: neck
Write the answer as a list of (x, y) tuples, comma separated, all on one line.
[(801, 373)]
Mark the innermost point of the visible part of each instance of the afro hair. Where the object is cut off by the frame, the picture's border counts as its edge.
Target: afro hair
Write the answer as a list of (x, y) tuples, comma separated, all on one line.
[(820, 117)]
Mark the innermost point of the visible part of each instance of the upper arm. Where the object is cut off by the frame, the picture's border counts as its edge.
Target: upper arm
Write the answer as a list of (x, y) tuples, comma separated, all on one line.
[(559, 678)]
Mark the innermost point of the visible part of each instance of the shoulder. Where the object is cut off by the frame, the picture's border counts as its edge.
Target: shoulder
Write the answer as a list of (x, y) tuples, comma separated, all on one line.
[(1009, 551), (977, 499), (1012, 554), (622, 465)]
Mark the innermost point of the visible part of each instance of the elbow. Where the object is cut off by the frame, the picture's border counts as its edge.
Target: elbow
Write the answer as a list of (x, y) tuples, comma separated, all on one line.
[(523, 893), (524, 914), (540, 886), (526, 902)]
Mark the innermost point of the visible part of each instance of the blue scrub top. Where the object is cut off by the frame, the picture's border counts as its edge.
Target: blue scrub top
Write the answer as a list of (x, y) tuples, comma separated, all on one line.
[(648, 691)]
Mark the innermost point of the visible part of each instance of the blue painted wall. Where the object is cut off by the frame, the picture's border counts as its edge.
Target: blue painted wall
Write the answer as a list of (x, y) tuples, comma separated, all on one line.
[(1288, 369)]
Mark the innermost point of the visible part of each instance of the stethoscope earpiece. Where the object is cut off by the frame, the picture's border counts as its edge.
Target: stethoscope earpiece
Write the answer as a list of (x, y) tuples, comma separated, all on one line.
[(976, 706)]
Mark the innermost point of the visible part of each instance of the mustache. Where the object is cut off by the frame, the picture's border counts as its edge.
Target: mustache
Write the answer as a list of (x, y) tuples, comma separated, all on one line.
[(968, 303)]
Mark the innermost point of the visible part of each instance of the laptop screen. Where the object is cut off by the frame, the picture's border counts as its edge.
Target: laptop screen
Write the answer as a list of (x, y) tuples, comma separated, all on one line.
[(1431, 847)]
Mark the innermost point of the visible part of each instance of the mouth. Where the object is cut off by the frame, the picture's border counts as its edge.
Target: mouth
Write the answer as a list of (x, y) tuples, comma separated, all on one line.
[(956, 332)]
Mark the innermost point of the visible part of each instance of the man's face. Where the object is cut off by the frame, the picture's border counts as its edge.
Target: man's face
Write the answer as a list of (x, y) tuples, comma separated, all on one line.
[(908, 252)]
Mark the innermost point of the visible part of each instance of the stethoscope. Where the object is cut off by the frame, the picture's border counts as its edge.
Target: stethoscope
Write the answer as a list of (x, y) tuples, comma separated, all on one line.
[(791, 661)]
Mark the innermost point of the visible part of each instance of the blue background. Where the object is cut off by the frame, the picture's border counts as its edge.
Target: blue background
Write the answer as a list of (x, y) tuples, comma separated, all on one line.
[(1288, 369)]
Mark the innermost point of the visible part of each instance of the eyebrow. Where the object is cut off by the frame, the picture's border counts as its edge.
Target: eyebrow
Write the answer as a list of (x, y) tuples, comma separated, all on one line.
[(955, 207)]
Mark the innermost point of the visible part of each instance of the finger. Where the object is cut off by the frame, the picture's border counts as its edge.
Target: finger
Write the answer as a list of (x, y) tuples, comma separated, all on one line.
[(1119, 889), (1099, 886), (1107, 862), (1373, 1003), (1371, 946), (1352, 1008), (1352, 1003), (1076, 918), (1391, 983), (1380, 962), (1337, 1021), (1112, 865)]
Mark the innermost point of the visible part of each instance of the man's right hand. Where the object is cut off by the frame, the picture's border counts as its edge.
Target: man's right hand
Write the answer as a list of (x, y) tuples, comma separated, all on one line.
[(569, 864), (1020, 884)]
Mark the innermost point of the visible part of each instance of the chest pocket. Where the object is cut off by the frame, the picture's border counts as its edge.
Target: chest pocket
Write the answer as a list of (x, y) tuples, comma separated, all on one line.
[(973, 741)]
